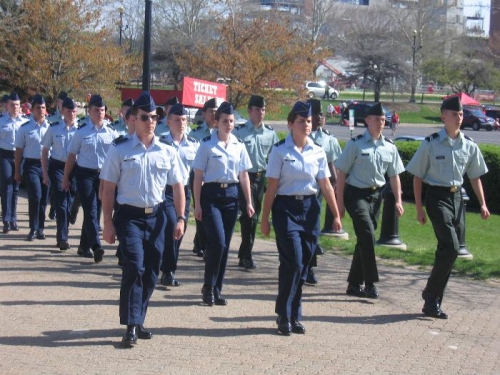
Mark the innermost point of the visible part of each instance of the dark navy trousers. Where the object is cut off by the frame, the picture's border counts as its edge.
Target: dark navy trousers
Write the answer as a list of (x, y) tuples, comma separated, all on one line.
[(63, 200), (296, 226), (172, 246), (38, 193), (141, 239), (9, 188), (87, 182), (219, 213)]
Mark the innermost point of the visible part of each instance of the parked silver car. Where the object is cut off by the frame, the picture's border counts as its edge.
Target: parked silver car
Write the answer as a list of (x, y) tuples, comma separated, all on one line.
[(317, 90)]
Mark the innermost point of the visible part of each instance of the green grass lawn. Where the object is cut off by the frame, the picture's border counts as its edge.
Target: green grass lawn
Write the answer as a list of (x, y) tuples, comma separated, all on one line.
[(481, 241)]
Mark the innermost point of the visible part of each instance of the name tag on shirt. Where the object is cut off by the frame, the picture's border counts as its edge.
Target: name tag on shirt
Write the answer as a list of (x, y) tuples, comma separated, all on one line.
[(290, 160), (217, 156), (441, 157)]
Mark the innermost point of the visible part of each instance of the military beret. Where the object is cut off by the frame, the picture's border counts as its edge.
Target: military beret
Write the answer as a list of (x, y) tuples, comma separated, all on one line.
[(96, 101), (376, 110), (211, 103), (453, 104), (62, 95), (315, 106), (257, 101), (226, 108), (14, 96), (178, 109), (172, 101), (5, 98), (68, 103), (303, 109), (128, 102), (145, 102), (37, 99)]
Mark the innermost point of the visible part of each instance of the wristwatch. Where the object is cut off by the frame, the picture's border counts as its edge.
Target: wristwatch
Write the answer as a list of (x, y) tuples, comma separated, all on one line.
[(182, 218)]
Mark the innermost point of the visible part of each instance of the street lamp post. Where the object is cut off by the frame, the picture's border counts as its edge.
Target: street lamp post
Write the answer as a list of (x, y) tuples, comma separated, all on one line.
[(120, 24), (413, 80), (146, 63)]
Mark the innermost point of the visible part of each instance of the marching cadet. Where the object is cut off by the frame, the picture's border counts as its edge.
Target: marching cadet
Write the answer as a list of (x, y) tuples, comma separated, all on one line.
[(29, 147), (9, 187), (329, 143), (91, 144), (57, 115), (136, 170), (186, 147), (120, 124), (440, 162), (202, 131), (361, 170), (296, 171), (221, 163), (162, 128), (56, 142), (259, 140), (5, 107)]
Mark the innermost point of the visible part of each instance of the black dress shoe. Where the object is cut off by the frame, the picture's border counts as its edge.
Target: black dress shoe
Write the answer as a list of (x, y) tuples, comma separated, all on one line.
[(284, 326), (168, 279), (52, 214), (130, 336), (319, 250), (371, 291), (40, 235), (198, 252), (249, 264), (297, 327), (218, 300), (31, 235), (14, 227), (432, 307), (72, 219), (6, 228), (143, 333), (241, 263), (85, 253), (208, 295), (63, 245), (98, 254), (311, 278), (355, 290)]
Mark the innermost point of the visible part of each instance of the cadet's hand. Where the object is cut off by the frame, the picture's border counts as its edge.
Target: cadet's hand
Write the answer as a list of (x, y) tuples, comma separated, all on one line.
[(65, 184), (46, 179), (17, 177), (250, 210), (485, 213), (421, 216), (399, 209), (197, 213), (179, 229), (337, 225), (265, 228), (108, 233), (341, 207)]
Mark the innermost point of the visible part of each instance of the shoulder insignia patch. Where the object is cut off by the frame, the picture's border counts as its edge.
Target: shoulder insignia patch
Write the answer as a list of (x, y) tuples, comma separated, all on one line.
[(82, 125), (163, 139), (358, 137), (54, 123), (120, 139), (110, 126), (191, 139), (197, 128), (317, 144), (469, 138), (388, 140), (279, 143), (268, 127), (206, 138), (239, 127), (25, 123), (431, 137), (325, 131)]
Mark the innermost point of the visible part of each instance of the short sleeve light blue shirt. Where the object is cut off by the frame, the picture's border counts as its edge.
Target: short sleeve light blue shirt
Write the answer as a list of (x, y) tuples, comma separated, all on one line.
[(141, 173), (259, 142), (120, 126), (221, 163), (202, 131), (57, 139), (437, 162), (8, 129), (297, 171), (91, 144), (366, 161), (186, 148), (29, 137)]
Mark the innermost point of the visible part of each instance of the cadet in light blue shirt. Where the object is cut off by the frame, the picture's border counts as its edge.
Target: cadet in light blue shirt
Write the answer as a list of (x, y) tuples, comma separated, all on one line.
[(186, 147), (29, 147), (120, 124), (138, 169), (9, 188), (57, 116), (162, 128), (222, 161), (297, 170), (440, 162), (56, 141), (90, 143), (361, 170)]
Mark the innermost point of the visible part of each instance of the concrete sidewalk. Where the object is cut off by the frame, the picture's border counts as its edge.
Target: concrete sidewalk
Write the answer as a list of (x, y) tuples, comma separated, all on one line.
[(59, 315)]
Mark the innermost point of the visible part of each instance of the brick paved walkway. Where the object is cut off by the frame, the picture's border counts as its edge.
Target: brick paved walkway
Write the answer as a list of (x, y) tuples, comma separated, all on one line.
[(59, 315)]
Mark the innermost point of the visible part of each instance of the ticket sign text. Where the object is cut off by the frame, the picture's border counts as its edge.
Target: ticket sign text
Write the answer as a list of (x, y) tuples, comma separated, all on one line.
[(195, 92)]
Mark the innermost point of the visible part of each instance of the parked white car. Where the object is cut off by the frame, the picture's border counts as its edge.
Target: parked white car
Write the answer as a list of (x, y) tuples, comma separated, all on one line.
[(317, 90)]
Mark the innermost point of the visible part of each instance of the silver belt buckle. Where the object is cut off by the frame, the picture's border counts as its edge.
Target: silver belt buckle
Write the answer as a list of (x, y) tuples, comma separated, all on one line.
[(299, 197), (224, 186), (148, 210), (454, 189)]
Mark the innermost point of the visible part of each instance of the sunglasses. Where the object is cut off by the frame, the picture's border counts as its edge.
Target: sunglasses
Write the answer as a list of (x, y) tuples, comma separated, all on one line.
[(147, 117)]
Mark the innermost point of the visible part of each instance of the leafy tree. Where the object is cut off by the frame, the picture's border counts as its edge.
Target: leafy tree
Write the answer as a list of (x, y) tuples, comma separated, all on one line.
[(53, 45)]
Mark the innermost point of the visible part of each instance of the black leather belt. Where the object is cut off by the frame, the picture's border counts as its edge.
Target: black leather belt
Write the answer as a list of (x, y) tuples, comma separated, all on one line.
[(296, 197), (89, 169), (222, 185), (32, 161), (257, 174), (57, 162), (126, 208), (6, 152), (369, 190), (448, 189)]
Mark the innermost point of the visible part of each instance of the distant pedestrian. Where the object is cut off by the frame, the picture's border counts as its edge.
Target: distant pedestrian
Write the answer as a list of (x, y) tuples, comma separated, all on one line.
[(394, 122), (330, 110)]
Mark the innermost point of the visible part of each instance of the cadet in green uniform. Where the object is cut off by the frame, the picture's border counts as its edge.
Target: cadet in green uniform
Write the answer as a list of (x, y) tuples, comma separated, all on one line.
[(441, 162), (120, 125), (259, 140), (361, 170)]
